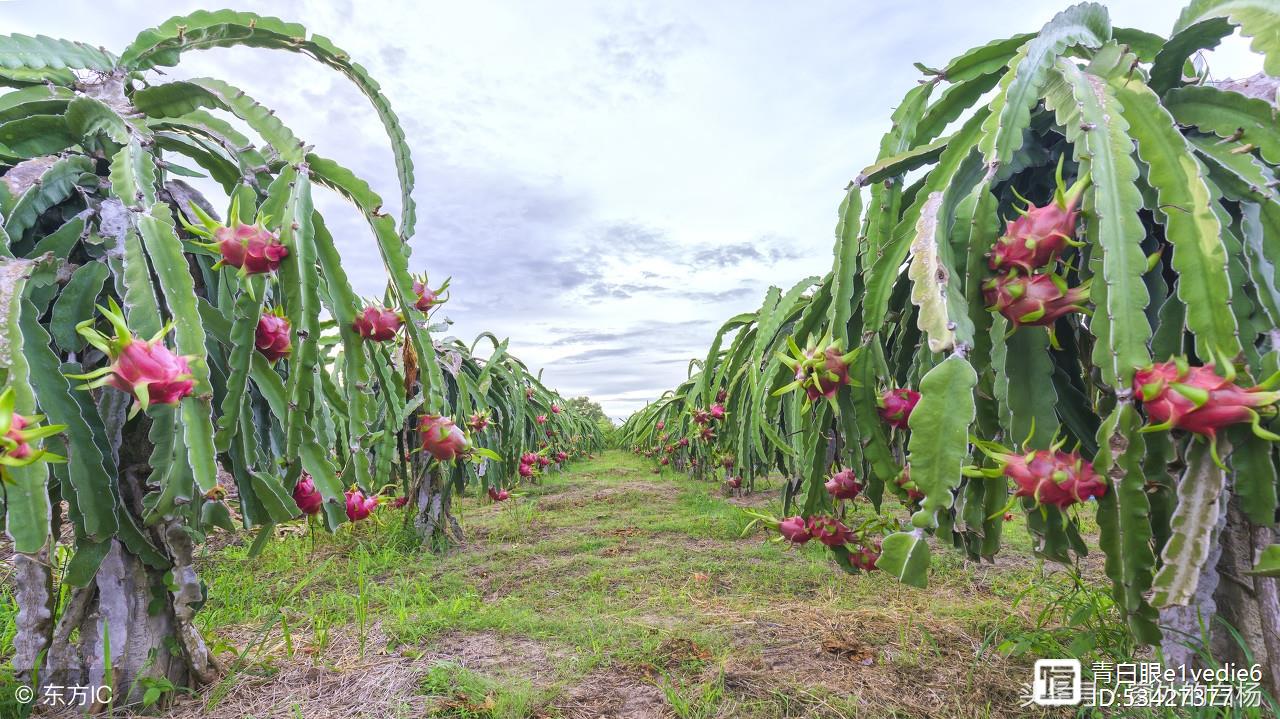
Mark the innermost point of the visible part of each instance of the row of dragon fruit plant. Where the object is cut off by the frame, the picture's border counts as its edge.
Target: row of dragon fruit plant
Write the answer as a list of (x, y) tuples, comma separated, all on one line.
[(1110, 346), (150, 351)]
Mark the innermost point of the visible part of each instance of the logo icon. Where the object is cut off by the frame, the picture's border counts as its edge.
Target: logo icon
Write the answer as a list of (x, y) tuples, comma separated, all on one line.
[(1056, 682)]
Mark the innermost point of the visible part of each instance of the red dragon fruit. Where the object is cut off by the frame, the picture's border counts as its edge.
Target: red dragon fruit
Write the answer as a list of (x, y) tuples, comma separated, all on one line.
[(1052, 477), (529, 458), (146, 369), (722, 395), (904, 481), (525, 470), (427, 297), (272, 336), (478, 422), (844, 485), (1034, 300), (562, 457), (17, 433), (359, 506), (821, 369), (499, 495), (795, 530), (895, 406), (399, 502), (1041, 234), (660, 425), (555, 408), (684, 442), (701, 417), (865, 555), (377, 324), (664, 461), (441, 438), (306, 496), (250, 248), (734, 482), (541, 419), (1198, 400), (830, 531), (717, 412), (543, 461)]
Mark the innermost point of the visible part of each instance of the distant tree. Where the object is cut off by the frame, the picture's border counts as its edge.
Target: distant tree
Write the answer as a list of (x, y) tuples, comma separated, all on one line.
[(589, 409)]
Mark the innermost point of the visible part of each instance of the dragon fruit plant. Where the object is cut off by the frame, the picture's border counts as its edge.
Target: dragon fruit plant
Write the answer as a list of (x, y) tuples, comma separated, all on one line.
[(1068, 241), (135, 319)]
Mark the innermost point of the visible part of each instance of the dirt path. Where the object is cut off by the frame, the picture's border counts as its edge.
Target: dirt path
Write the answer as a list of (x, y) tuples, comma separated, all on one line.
[(604, 592)]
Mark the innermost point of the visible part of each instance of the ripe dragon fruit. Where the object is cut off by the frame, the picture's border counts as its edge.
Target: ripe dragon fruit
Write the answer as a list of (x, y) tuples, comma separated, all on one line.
[(441, 438), (904, 481), (562, 457), (252, 249), (529, 458), (722, 395), (272, 336), (734, 482), (660, 425), (359, 506), (17, 434), (717, 412), (399, 502), (865, 555), (701, 417), (844, 485), (895, 406), (684, 442), (1051, 477), (377, 324), (543, 461), (1198, 400), (665, 461), (146, 369), (427, 297), (541, 419), (555, 408), (1034, 300), (478, 422), (306, 496), (1041, 234), (821, 369), (525, 470), (829, 530), (795, 530), (499, 495)]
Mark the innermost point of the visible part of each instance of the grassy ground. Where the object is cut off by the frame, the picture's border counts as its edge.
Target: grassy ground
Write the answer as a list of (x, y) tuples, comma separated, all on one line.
[(607, 591)]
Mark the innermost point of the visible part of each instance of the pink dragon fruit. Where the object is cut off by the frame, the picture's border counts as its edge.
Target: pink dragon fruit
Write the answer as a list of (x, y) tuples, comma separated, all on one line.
[(684, 442), (1198, 400), (717, 412), (377, 324), (562, 457), (1053, 477), (543, 461), (701, 417), (660, 425), (427, 297), (707, 434), (272, 336), (664, 461), (865, 555), (250, 248), (722, 395), (829, 530), (399, 502), (306, 496), (541, 419), (441, 438), (1041, 234), (904, 480), (529, 458), (895, 406), (525, 470), (844, 485), (821, 369), (499, 495), (1035, 300), (555, 408), (359, 506), (478, 422), (795, 530), (734, 482), (17, 434)]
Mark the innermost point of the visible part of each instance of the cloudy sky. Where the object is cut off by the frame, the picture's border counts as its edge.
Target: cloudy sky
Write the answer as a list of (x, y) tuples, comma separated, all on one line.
[(605, 182)]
